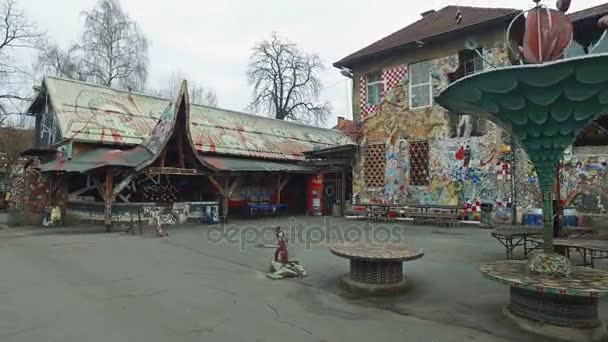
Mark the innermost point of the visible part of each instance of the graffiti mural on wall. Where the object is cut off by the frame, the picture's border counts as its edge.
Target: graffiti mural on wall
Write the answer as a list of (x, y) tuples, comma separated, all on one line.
[(17, 190), (585, 185), (453, 178)]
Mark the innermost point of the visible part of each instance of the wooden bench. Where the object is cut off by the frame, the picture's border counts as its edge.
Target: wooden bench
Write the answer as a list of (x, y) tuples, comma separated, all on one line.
[(438, 218)]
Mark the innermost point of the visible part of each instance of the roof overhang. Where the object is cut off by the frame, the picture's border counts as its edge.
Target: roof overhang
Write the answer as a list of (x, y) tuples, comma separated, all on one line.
[(351, 62), (97, 158), (342, 151), (229, 164)]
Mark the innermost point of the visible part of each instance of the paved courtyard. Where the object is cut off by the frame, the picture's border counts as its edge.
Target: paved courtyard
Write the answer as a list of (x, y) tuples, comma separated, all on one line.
[(80, 284)]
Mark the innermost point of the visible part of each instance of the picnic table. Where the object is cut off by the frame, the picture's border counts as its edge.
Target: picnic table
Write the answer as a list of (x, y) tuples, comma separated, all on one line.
[(375, 267), (445, 215), (592, 248), (374, 211), (442, 219), (424, 208), (512, 237)]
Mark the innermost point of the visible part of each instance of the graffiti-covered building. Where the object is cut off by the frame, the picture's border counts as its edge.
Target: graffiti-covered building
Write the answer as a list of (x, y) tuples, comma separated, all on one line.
[(107, 154), (413, 151)]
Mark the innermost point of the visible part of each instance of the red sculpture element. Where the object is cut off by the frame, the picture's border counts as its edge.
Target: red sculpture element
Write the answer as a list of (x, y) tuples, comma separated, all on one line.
[(547, 34), (280, 254), (563, 5), (460, 153)]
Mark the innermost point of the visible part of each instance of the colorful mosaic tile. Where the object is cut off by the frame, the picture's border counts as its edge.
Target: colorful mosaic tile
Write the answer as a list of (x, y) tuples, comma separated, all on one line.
[(551, 264), (584, 282), (375, 251)]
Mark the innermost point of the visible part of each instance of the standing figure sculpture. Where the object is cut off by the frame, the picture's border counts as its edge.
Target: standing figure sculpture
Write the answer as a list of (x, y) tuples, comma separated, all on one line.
[(281, 267)]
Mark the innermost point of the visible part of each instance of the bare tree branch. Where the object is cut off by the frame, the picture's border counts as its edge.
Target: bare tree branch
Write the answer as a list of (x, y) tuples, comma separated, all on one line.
[(199, 94), (285, 82), (115, 51), (16, 33)]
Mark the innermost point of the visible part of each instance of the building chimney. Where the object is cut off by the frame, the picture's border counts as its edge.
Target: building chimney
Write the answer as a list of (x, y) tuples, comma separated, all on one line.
[(340, 121), (427, 13)]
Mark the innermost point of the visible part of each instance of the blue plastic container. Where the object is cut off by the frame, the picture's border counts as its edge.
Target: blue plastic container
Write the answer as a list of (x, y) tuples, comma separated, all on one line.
[(533, 219)]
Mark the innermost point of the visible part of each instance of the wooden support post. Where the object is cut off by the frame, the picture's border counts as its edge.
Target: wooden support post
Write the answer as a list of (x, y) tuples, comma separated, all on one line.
[(280, 185), (343, 191), (226, 191), (108, 198)]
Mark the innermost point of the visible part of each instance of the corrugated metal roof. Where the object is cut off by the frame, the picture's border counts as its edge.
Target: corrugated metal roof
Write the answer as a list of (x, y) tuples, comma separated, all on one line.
[(96, 114), (242, 165), (99, 157)]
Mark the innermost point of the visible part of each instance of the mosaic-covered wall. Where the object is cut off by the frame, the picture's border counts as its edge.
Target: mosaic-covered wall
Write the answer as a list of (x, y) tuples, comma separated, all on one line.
[(466, 170)]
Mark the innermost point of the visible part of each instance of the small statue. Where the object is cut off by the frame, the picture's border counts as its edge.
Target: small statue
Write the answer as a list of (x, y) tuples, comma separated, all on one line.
[(158, 226), (281, 267), (281, 254)]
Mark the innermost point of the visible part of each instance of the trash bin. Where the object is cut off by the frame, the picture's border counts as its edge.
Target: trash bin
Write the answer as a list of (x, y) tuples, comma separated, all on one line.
[(534, 217), (570, 217), (486, 218)]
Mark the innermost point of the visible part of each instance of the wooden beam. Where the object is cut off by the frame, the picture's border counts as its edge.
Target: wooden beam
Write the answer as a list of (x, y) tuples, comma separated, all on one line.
[(99, 187), (215, 183), (233, 186), (124, 198), (108, 198), (163, 157), (280, 185), (90, 186)]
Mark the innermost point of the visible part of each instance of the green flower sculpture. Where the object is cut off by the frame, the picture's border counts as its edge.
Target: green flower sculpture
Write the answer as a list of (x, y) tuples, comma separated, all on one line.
[(544, 106)]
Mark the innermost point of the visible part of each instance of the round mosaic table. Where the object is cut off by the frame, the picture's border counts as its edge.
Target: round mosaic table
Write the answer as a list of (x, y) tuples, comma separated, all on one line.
[(375, 267), (562, 308)]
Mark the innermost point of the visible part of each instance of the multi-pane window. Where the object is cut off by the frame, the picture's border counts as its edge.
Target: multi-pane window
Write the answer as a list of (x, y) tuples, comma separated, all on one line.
[(421, 89), (419, 162), (478, 126), (374, 165), (470, 61), (373, 92), (457, 128)]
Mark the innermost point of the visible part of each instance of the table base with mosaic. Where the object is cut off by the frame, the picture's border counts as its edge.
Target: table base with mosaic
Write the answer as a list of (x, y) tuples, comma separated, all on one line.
[(563, 305), (375, 268)]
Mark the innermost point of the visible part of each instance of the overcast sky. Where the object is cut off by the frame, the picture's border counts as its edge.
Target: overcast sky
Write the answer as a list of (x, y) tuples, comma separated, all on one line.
[(211, 40)]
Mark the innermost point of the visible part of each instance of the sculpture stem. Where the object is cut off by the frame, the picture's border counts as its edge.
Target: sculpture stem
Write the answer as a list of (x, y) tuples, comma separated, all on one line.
[(547, 219)]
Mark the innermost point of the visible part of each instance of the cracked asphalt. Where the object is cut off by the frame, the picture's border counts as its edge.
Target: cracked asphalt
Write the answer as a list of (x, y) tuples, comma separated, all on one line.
[(80, 284)]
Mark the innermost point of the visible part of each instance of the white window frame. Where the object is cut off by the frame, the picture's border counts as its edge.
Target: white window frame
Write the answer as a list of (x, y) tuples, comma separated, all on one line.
[(428, 84), (368, 84), (476, 60)]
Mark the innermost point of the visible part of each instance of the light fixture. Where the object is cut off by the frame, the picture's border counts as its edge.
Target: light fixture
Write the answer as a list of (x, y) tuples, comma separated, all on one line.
[(346, 72)]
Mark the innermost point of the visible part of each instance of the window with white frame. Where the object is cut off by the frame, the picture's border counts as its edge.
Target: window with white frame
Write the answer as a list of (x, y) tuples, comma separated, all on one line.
[(470, 61), (373, 94), (421, 90)]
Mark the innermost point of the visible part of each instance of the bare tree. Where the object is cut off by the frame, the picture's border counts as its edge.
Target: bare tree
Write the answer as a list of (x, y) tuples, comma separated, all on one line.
[(285, 81), (115, 51), (53, 60), (16, 33), (199, 94), (13, 141)]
